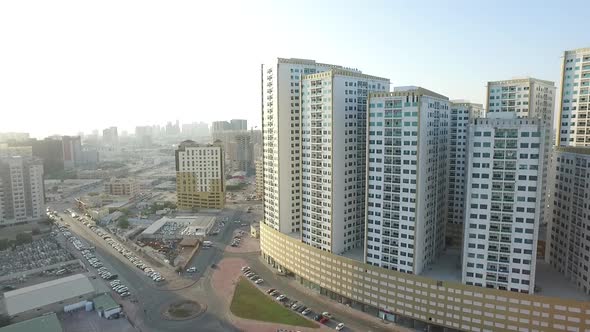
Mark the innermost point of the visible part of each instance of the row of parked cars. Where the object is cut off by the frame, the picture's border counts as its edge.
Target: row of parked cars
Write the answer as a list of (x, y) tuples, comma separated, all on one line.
[(294, 305), (248, 273), (120, 288), (150, 272)]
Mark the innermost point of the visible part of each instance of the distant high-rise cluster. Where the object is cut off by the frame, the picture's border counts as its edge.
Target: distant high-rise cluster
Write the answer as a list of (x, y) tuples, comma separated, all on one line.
[(351, 167), (238, 143)]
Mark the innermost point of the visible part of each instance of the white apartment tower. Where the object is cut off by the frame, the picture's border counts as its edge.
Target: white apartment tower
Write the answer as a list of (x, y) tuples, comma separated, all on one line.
[(568, 246), (574, 102), (281, 136), (22, 194), (504, 190), (333, 129), (526, 98), (462, 114), (407, 161)]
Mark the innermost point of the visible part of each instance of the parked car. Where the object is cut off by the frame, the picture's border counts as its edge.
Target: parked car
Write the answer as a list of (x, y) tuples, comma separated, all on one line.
[(306, 311), (281, 297), (324, 320), (270, 291), (327, 314), (339, 326), (317, 318), (259, 281)]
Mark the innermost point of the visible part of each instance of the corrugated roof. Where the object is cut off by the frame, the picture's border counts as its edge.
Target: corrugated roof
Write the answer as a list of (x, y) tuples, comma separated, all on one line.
[(45, 323), (105, 302), (46, 293)]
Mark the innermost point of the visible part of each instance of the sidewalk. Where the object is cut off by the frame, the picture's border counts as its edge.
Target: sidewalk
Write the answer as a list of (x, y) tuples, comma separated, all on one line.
[(335, 307), (224, 280)]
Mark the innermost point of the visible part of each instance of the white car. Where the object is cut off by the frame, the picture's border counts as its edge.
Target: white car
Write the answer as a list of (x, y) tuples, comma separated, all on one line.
[(339, 326), (280, 297), (259, 281)]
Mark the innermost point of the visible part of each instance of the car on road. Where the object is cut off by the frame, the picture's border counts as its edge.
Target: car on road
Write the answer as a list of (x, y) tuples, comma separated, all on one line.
[(306, 311), (281, 297), (191, 269), (259, 281), (340, 326)]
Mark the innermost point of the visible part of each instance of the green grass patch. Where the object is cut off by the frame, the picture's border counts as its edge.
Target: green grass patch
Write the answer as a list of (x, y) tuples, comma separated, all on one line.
[(249, 302)]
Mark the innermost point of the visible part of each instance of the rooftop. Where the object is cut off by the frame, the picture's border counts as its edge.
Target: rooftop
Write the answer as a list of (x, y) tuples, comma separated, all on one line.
[(105, 302), (45, 293), (550, 282), (400, 91), (45, 323), (202, 222)]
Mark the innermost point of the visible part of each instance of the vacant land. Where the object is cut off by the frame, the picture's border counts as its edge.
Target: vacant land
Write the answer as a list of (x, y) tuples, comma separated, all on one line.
[(249, 302)]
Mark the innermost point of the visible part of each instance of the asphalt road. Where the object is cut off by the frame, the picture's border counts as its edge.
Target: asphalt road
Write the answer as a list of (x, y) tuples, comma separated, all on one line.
[(152, 298)]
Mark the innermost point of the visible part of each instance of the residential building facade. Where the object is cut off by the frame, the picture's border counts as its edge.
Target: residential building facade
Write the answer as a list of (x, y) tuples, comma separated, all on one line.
[(259, 180), (568, 246), (574, 101), (462, 114), (504, 190), (200, 176), (408, 155), (22, 194), (333, 144), (526, 98), (281, 137)]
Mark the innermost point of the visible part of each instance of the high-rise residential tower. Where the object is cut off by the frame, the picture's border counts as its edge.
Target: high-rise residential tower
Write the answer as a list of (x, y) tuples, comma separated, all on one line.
[(526, 98), (333, 144), (407, 161), (568, 244), (574, 102), (22, 194), (281, 135), (110, 136), (504, 190), (200, 176), (462, 114)]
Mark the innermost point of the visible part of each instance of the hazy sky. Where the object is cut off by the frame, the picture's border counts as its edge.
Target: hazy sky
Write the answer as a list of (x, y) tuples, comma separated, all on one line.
[(70, 66)]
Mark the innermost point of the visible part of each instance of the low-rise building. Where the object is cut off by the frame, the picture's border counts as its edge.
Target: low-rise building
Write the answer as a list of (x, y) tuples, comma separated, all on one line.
[(178, 228), (105, 306), (122, 187), (59, 295), (45, 323)]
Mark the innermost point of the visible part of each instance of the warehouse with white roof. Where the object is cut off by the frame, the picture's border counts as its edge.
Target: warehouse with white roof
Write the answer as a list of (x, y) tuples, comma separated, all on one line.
[(64, 294)]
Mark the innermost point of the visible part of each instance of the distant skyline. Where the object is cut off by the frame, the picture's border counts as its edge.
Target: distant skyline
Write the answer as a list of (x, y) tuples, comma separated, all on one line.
[(70, 66)]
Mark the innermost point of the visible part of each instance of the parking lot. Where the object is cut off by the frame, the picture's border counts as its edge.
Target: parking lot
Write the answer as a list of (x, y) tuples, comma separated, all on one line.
[(37, 254)]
